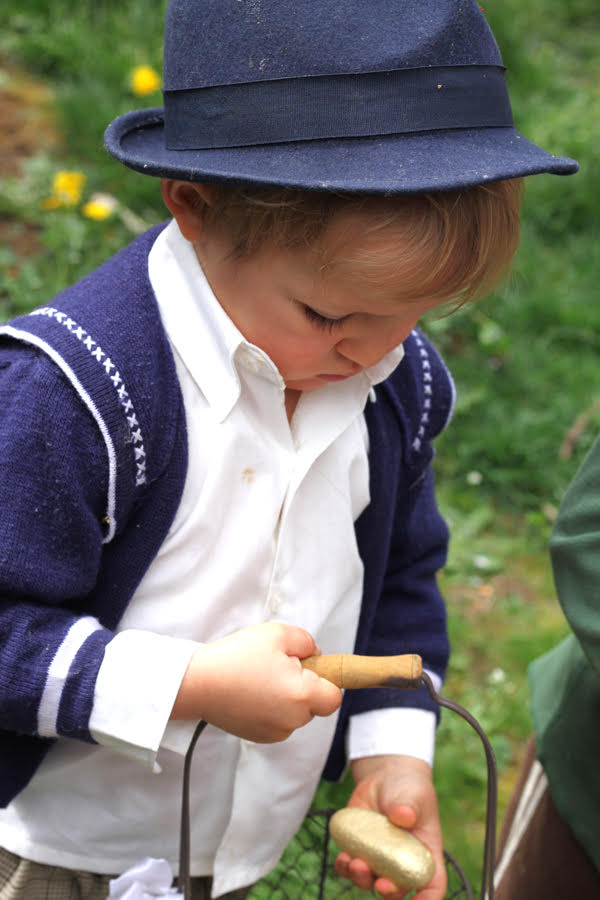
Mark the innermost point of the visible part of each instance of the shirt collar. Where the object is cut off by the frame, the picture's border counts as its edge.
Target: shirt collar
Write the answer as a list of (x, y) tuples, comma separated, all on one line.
[(384, 368), (198, 327), (208, 342)]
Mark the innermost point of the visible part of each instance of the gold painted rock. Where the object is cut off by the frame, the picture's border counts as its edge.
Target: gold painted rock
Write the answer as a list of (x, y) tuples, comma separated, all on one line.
[(390, 851)]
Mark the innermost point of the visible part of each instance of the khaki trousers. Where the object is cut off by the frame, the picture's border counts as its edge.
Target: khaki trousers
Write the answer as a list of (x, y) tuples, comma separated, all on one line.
[(21, 879)]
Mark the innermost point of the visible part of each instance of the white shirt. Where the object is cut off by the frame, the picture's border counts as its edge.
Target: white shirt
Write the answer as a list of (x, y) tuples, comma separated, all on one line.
[(264, 531)]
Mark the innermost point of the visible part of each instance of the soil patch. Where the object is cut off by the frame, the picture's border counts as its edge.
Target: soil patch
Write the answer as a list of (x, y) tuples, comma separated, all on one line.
[(26, 117), (26, 128)]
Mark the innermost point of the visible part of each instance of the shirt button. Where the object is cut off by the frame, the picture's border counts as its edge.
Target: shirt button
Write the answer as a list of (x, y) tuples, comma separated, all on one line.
[(276, 601)]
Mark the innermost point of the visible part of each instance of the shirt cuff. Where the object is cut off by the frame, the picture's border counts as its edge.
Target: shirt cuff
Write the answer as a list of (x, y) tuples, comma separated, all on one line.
[(135, 691), (392, 731)]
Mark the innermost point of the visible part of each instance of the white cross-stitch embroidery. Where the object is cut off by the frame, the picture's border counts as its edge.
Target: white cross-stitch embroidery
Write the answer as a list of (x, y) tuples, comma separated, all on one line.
[(107, 365), (427, 380)]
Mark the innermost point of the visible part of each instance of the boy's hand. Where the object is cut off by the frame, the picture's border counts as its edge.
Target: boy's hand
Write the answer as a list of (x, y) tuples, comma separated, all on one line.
[(251, 684), (401, 788)]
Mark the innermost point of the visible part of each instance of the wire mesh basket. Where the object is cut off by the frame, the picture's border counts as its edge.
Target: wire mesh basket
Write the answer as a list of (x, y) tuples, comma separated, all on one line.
[(306, 870)]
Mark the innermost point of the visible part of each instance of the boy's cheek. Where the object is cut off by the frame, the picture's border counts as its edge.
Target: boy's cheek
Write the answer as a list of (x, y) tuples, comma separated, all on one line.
[(303, 358)]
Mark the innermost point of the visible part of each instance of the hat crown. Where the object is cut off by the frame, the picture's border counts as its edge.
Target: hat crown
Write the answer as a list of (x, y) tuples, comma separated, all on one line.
[(369, 96), (216, 42)]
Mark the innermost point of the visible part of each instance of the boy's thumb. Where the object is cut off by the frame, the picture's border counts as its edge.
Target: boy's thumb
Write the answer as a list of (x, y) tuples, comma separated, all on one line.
[(402, 813), (299, 642), (399, 800)]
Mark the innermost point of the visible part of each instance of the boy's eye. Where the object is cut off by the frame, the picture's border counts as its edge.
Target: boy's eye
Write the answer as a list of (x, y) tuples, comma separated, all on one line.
[(322, 321)]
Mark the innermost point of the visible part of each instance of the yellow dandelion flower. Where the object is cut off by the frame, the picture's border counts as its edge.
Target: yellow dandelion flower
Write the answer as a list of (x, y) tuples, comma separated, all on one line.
[(66, 188), (99, 207), (144, 80), (95, 210)]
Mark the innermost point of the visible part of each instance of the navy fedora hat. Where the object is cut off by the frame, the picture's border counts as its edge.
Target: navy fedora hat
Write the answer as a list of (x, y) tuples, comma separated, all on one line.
[(384, 96)]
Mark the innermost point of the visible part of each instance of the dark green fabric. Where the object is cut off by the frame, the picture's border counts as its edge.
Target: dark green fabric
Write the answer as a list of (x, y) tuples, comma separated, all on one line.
[(565, 683)]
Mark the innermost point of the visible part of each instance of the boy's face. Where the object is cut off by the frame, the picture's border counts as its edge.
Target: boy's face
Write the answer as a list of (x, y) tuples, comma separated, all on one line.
[(317, 327)]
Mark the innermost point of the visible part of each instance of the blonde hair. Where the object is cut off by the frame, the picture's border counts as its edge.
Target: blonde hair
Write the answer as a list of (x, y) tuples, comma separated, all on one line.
[(447, 245)]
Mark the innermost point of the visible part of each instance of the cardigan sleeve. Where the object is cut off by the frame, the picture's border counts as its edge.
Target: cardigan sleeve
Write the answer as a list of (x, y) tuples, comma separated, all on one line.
[(53, 484)]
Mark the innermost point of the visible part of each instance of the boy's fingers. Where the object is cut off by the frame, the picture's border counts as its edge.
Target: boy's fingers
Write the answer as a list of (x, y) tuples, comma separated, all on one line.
[(325, 697), (388, 889), (357, 870)]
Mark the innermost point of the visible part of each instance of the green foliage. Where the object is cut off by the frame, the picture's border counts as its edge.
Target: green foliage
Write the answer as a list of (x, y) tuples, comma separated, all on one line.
[(86, 53), (525, 360)]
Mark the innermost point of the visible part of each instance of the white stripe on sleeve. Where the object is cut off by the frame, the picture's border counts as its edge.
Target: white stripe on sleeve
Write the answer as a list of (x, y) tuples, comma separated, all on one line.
[(76, 636)]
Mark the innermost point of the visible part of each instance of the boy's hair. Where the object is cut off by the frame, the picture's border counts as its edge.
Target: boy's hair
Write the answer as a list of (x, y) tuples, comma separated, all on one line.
[(451, 245)]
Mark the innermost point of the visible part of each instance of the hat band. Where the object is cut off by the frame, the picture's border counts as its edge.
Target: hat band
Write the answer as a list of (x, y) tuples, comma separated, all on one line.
[(333, 106)]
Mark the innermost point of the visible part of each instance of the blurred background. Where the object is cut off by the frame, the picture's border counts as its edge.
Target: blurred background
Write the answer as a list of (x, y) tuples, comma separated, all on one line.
[(525, 360)]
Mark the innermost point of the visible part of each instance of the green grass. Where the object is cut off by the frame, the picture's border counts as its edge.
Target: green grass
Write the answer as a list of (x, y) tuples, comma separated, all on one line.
[(524, 359)]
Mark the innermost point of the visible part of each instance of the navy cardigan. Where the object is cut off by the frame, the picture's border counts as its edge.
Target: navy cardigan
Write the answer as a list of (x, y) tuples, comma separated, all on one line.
[(92, 469)]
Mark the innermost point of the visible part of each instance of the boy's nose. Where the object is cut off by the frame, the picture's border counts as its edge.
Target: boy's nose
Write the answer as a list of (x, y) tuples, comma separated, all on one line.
[(369, 346)]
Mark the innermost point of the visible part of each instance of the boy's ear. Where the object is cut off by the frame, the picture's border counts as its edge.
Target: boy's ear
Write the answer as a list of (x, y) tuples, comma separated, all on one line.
[(186, 203)]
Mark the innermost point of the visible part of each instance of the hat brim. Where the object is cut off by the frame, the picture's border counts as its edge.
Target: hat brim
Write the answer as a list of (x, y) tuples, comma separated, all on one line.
[(389, 164)]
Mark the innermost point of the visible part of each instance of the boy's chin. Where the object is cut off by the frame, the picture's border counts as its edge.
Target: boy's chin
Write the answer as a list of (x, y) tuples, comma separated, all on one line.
[(305, 384), (314, 382)]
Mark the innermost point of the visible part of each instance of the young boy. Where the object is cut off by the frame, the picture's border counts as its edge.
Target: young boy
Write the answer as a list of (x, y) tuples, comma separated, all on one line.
[(216, 448)]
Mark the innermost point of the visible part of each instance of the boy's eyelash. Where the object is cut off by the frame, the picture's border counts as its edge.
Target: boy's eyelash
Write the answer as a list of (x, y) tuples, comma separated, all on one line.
[(321, 321)]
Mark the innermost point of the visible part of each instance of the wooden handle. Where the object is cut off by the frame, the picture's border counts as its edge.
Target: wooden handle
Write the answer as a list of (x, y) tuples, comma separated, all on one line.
[(350, 671)]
